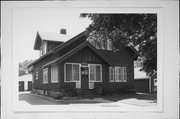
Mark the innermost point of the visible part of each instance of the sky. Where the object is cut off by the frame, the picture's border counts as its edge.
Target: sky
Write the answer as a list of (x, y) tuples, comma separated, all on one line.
[(26, 23)]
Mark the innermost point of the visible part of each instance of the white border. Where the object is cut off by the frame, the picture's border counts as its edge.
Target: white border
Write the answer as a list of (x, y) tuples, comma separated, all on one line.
[(167, 48)]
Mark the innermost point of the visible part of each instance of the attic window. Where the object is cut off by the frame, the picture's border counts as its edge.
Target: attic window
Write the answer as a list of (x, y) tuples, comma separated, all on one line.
[(43, 49), (100, 44)]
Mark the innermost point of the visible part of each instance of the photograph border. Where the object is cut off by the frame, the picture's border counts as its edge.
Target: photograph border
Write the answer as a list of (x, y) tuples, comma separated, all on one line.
[(13, 64)]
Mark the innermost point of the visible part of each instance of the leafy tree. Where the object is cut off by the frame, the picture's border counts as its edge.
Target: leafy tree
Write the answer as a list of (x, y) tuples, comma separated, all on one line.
[(139, 30), (23, 67)]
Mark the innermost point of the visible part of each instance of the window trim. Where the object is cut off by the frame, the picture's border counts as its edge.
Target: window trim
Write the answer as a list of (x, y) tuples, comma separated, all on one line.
[(100, 72), (44, 82), (72, 66), (54, 81)]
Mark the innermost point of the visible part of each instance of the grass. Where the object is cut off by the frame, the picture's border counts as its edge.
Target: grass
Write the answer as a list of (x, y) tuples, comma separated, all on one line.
[(139, 96)]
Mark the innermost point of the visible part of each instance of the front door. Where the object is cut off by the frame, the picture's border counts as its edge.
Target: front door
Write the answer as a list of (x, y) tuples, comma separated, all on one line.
[(84, 77)]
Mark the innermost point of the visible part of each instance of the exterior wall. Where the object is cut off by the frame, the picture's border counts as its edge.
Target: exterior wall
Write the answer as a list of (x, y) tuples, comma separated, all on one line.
[(38, 83), (25, 78), (85, 55), (142, 85)]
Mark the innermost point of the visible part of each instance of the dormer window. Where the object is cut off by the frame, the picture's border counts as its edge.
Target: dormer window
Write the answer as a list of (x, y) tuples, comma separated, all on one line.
[(43, 49)]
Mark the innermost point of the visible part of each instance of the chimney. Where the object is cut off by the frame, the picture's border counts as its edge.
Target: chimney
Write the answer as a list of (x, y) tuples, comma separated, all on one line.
[(63, 31)]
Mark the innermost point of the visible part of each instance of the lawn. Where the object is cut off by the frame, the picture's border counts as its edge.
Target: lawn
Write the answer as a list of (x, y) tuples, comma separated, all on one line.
[(139, 99)]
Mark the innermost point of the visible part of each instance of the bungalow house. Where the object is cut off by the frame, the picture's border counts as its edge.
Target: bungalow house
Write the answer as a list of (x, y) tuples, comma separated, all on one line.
[(81, 65)]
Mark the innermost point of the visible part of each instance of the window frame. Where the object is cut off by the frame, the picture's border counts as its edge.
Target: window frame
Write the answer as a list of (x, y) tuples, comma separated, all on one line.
[(95, 73), (123, 74), (54, 73), (45, 72), (72, 73)]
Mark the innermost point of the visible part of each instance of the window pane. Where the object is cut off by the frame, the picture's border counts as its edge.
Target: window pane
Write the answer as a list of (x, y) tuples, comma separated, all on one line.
[(116, 73), (76, 72), (54, 73), (92, 72), (111, 73), (68, 72), (98, 73), (109, 44), (124, 74)]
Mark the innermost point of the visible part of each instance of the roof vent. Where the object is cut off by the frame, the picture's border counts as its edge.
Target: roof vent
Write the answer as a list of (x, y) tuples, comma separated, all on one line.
[(63, 31)]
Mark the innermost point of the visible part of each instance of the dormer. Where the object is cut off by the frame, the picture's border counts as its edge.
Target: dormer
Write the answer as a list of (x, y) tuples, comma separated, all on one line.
[(45, 42)]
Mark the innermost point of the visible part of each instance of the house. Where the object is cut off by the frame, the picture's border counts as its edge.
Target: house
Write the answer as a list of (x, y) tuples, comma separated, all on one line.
[(81, 65), (25, 82), (144, 83)]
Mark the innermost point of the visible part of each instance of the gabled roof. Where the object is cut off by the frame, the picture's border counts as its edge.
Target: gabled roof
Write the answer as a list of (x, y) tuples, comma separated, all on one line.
[(73, 39), (76, 49), (58, 48), (48, 36)]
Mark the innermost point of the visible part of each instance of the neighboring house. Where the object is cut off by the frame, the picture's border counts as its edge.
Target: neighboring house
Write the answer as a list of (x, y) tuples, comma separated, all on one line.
[(81, 64), (25, 82), (143, 83)]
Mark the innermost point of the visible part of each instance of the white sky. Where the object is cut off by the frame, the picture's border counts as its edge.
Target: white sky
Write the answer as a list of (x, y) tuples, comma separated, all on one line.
[(26, 23)]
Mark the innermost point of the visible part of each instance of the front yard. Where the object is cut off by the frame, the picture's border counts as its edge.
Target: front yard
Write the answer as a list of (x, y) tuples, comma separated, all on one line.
[(138, 99)]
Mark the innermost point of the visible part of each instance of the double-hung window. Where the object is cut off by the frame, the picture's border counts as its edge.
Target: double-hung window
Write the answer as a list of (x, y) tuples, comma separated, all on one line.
[(45, 75), (72, 72), (117, 74), (95, 73), (54, 73)]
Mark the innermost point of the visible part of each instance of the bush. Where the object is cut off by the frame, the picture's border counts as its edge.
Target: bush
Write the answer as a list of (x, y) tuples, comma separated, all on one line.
[(68, 91)]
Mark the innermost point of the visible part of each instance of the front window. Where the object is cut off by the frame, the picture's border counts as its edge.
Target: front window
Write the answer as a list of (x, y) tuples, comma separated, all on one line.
[(72, 72), (117, 74), (54, 73), (45, 75), (95, 73)]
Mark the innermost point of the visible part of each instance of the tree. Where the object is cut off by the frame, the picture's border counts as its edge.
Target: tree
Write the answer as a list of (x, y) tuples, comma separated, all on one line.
[(23, 67), (139, 30)]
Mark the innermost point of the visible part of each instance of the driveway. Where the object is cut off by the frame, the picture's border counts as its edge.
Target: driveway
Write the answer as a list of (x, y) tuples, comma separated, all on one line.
[(35, 99)]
